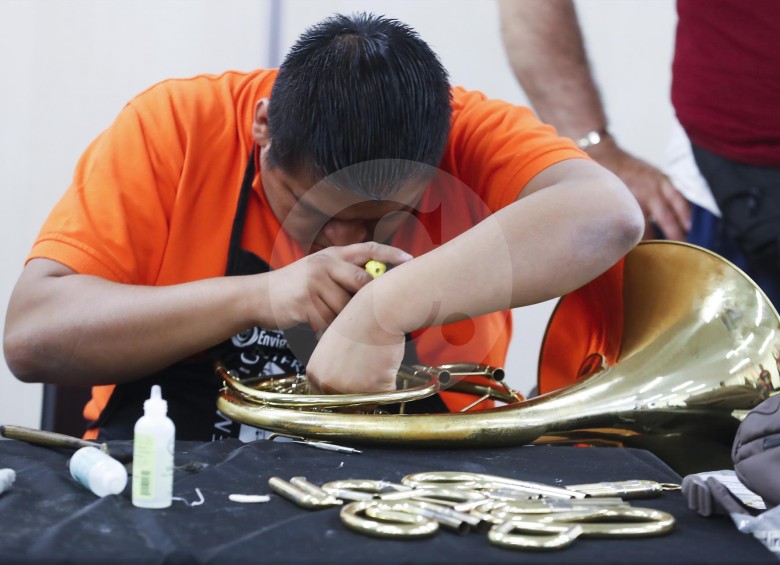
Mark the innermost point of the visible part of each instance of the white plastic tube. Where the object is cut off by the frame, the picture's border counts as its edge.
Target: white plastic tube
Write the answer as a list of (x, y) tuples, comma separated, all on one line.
[(7, 478), (97, 471)]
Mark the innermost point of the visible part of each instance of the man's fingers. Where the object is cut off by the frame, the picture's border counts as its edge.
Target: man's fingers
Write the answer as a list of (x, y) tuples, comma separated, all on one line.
[(672, 230), (361, 253), (331, 301), (667, 221), (664, 218), (650, 230), (671, 212), (322, 315), (349, 276), (349, 270), (678, 203)]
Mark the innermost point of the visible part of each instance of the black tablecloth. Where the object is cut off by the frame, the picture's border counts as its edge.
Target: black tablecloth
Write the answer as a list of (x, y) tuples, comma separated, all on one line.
[(47, 517)]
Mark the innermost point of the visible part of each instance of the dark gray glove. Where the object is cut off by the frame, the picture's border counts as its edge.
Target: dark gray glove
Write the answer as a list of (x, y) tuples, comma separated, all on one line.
[(756, 451)]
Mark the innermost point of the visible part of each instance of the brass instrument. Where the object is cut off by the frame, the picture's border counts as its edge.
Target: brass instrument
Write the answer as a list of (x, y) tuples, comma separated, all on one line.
[(698, 346)]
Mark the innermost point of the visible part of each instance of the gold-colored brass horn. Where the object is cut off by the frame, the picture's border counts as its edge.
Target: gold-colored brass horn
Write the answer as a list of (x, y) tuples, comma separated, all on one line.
[(690, 344), (293, 390)]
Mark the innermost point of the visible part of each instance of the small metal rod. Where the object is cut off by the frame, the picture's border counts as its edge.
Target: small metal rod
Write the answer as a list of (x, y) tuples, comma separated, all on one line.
[(470, 505), (452, 522), (402, 407), (473, 404), (475, 522), (346, 494), (485, 517), (511, 393)]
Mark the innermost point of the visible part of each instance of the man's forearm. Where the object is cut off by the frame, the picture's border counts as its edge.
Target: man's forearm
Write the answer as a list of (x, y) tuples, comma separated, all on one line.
[(541, 247), (545, 49), (83, 330)]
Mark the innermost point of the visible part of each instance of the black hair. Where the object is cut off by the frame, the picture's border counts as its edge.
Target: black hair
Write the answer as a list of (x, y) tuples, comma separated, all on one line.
[(363, 101)]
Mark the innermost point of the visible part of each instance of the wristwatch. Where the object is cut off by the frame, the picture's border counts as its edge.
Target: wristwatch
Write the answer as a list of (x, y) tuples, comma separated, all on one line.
[(591, 139)]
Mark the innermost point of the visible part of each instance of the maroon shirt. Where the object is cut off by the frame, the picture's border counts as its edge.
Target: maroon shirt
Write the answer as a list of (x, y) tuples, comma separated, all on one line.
[(726, 77)]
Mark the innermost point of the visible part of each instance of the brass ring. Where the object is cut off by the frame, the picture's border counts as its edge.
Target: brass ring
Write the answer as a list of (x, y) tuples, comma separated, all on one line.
[(385, 522), (628, 521)]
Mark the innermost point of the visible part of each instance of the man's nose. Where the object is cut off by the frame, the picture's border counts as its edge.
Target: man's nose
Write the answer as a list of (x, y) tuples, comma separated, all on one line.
[(346, 232)]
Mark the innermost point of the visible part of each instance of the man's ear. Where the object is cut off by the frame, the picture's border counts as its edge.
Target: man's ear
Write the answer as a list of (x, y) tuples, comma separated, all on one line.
[(260, 123)]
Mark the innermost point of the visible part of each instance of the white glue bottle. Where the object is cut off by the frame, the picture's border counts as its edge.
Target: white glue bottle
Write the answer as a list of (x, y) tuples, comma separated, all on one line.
[(98, 471), (153, 443)]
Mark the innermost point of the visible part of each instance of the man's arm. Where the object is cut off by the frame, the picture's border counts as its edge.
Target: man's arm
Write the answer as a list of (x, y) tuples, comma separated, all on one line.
[(573, 221), (545, 49), (67, 328)]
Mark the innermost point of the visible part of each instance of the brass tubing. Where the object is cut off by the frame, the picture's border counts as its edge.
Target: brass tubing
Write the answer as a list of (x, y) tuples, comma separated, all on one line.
[(465, 480), (472, 521), (485, 517), (684, 313), (488, 428), (351, 495), (484, 391), (519, 534), (309, 488), (455, 523), (300, 497), (427, 384), (474, 370), (442, 374)]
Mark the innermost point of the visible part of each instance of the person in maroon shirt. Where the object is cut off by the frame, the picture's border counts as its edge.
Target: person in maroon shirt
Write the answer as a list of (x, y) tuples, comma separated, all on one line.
[(726, 78), (726, 93)]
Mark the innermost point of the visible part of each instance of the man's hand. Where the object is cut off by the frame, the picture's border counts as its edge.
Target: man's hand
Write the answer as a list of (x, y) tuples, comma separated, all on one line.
[(661, 203), (358, 353), (315, 289)]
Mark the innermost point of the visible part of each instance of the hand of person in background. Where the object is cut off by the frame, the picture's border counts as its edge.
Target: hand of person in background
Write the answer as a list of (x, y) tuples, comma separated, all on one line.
[(546, 51), (664, 207)]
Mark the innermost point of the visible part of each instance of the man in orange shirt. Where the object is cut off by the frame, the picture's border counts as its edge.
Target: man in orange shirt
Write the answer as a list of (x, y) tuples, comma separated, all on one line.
[(218, 211)]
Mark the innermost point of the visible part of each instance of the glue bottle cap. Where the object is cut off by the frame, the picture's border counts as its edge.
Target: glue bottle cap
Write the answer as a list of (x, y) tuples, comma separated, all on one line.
[(155, 404)]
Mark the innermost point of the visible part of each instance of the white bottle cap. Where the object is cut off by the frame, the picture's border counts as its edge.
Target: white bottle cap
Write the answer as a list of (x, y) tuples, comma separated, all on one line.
[(155, 404), (111, 479)]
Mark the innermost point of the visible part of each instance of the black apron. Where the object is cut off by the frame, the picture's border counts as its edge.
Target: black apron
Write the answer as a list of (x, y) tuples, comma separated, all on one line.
[(190, 386)]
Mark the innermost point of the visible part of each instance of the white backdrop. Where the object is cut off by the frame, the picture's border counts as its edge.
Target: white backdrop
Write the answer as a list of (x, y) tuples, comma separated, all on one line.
[(69, 66)]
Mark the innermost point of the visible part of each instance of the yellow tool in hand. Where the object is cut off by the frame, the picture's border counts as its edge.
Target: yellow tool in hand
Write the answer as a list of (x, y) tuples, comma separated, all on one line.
[(375, 268)]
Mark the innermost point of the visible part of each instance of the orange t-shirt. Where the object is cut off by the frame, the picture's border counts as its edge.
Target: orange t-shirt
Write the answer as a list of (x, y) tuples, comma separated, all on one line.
[(154, 196)]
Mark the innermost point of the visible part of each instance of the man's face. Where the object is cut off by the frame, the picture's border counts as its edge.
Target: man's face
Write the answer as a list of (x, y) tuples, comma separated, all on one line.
[(318, 215)]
